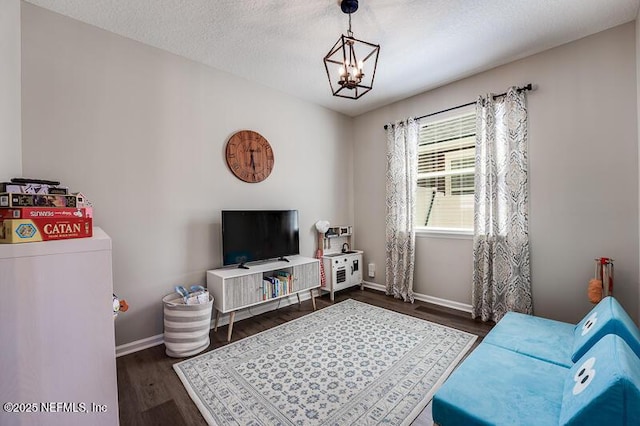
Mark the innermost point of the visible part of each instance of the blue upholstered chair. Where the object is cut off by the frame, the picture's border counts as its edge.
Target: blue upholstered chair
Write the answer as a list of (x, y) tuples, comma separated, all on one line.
[(531, 370), (563, 343), (607, 317), (603, 386), (496, 386)]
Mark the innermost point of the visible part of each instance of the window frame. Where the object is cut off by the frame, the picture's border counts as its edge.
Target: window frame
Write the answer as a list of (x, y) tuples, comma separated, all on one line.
[(446, 232)]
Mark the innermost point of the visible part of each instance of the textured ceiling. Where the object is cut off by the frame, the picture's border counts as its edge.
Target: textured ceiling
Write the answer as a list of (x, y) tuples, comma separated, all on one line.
[(280, 44)]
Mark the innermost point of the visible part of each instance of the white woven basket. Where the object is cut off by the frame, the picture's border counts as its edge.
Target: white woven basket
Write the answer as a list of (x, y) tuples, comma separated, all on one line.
[(186, 327)]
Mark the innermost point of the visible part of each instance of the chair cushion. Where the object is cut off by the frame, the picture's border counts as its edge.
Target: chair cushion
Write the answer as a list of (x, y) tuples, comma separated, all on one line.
[(607, 317), (500, 387), (603, 387), (540, 338)]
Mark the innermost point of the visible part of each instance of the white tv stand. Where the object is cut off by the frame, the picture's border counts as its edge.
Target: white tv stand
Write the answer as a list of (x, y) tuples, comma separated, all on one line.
[(234, 288)]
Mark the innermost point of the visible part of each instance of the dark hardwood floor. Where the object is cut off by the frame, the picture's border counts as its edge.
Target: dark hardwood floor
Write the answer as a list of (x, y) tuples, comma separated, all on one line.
[(150, 392)]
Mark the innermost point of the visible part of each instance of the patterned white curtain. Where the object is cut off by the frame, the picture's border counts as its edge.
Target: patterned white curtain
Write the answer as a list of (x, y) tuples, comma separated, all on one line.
[(402, 164), (501, 273)]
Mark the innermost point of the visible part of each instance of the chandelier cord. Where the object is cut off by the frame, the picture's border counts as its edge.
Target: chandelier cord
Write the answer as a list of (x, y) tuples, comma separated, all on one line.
[(350, 33)]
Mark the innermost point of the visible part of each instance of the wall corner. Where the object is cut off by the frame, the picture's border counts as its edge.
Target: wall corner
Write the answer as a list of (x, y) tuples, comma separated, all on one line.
[(10, 87)]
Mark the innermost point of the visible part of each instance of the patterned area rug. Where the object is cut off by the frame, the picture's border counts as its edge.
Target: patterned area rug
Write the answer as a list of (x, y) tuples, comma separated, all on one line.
[(349, 363)]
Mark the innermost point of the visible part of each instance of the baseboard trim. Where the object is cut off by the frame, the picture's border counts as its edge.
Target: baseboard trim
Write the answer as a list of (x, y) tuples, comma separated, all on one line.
[(426, 298), (375, 286), (443, 302), (149, 342), (138, 345)]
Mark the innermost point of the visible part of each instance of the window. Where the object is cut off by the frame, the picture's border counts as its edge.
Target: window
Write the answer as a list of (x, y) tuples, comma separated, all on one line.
[(446, 168)]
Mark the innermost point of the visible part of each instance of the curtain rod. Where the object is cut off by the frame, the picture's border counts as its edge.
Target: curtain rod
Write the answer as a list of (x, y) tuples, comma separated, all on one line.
[(529, 86)]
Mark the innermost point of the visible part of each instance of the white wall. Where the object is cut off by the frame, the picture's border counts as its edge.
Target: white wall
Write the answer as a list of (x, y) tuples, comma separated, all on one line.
[(10, 124), (583, 152), (142, 133)]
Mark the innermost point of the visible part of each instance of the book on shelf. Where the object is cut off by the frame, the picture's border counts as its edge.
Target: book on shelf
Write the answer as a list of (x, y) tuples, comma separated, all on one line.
[(266, 288), (288, 280), (276, 286)]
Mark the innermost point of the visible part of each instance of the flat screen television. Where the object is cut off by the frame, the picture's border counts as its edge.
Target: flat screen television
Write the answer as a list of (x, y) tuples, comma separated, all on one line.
[(252, 235)]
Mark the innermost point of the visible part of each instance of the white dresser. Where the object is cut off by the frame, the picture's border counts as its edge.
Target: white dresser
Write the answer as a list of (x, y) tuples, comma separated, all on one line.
[(57, 333)]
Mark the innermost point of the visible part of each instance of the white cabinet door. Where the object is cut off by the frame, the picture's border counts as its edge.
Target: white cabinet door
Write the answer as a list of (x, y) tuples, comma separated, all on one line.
[(242, 291), (306, 276), (57, 332)]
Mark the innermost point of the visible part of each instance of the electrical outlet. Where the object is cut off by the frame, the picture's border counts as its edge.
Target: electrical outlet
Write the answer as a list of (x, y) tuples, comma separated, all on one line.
[(372, 270)]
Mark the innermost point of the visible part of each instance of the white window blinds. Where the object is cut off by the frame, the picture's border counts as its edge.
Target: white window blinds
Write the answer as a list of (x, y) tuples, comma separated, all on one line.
[(446, 168)]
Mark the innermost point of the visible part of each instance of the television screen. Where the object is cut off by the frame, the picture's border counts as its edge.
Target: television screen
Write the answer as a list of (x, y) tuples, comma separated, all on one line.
[(251, 235)]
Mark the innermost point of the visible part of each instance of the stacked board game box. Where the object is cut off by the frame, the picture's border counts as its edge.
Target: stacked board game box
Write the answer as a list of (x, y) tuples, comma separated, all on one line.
[(44, 211)]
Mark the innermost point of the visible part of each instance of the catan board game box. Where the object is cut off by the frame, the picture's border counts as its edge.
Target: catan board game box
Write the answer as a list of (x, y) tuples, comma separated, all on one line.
[(44, 229)]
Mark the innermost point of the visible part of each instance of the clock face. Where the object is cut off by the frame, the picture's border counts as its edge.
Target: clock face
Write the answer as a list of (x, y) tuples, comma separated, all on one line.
[(249, 156)]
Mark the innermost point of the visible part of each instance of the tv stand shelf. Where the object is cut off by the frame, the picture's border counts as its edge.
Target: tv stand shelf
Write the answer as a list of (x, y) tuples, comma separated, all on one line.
[(234, 288)]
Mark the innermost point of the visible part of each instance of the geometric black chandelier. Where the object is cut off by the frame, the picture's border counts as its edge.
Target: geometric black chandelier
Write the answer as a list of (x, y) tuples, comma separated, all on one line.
[(351, 63)]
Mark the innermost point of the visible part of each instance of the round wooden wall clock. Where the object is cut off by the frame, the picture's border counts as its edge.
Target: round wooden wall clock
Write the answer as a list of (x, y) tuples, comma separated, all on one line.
[(249, 156)]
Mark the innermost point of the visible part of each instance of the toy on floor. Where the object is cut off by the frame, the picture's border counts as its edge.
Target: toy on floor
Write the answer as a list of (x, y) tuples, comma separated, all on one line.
[(119, 306), (322, 226), (595, 290), (602, 284), (196, 295)]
